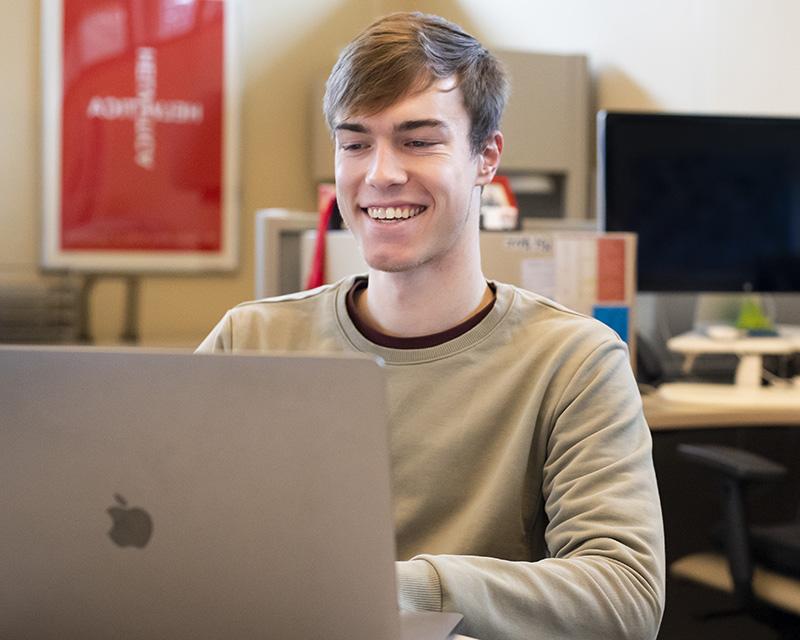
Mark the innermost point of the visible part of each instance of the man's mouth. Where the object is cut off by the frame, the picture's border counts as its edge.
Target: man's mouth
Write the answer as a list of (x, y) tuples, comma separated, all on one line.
[(393, 213)]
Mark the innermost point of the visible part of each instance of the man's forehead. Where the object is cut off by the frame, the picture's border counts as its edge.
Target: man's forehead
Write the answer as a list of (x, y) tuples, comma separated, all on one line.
[(409, 111)]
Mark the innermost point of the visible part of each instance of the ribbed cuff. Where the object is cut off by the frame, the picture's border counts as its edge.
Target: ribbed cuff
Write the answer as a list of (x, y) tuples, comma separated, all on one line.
[(418, 586)]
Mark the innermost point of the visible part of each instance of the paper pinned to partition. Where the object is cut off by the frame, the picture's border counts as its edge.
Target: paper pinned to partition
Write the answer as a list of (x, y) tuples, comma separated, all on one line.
[(579, 270), (539, 275), (576, 269)]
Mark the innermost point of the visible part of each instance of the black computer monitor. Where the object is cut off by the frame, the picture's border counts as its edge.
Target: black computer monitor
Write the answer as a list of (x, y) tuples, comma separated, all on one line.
[(715, 200)]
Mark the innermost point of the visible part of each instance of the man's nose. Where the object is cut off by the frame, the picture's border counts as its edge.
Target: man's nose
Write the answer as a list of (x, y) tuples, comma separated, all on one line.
[(386, 168)]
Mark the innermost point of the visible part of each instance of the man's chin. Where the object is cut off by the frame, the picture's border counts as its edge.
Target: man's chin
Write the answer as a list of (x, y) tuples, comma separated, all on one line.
[(392, 265), (389, 268)]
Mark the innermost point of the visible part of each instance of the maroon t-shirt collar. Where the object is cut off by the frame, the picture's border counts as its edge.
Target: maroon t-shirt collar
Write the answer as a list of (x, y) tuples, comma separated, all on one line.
[(416, 342)]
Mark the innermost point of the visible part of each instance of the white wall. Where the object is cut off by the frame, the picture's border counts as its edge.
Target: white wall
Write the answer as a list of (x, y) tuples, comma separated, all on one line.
[(733, 56)]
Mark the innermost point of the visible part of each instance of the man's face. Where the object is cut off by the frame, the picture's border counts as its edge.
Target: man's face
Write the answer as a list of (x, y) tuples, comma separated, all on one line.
[(406, 182)]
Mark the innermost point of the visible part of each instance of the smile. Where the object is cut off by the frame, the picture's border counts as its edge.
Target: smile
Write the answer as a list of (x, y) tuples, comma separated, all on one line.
[(393, 213)]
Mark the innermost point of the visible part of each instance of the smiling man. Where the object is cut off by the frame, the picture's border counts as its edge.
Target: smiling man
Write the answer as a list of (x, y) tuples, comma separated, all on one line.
[(524, 492), (408, 186)]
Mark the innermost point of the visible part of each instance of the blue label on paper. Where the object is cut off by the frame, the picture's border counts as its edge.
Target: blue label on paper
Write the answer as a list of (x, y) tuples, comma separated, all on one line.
[(614, 317)]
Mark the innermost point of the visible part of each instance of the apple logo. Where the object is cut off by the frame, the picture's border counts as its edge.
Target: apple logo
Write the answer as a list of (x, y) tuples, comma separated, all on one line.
[(132, 527)]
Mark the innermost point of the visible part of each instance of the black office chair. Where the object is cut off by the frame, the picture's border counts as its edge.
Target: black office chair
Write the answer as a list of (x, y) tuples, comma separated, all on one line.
[(760, 565)]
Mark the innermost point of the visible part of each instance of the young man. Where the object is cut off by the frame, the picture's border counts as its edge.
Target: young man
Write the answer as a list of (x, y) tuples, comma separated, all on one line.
[(525, 496)]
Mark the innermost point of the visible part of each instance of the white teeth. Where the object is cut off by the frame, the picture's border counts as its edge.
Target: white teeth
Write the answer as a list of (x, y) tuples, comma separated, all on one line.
[(393, 213)]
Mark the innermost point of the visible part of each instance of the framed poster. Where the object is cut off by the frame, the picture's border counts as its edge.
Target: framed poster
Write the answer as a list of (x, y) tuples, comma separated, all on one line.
[(141, 121)]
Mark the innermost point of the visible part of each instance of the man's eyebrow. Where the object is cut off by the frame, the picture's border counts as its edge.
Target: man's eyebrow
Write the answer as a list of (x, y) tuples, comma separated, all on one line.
[(407, 125), (351, 126), (410, 125)]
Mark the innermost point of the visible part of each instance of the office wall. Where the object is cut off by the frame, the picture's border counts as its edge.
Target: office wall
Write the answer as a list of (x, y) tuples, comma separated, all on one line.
[(735, 56), (19, 59)]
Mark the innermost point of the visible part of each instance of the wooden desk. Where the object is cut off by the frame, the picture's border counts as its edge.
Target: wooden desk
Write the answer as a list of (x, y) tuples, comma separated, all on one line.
[(689, 495), (665, 415)]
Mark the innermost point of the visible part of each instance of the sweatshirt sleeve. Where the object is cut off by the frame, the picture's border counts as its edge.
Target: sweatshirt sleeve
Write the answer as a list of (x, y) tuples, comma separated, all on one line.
[(605, 574), (220, 339)]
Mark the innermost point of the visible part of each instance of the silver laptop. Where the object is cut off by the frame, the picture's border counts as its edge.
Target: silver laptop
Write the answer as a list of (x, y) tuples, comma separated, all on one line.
[(153, 495)]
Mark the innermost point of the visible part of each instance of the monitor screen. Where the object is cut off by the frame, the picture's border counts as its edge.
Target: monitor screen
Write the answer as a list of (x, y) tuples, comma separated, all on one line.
[(715, 200)]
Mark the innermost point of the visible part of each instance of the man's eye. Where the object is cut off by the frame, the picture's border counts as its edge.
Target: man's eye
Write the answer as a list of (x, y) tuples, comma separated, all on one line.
[(418, 144), (352, 146)]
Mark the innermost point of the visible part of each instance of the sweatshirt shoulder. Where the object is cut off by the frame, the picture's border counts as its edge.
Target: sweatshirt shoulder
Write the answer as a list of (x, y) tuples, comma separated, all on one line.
[(299, 321), (542, 314), (299, 303)]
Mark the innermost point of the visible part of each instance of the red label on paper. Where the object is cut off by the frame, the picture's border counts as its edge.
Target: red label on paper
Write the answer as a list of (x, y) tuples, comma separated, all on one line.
[(142, 125), (610, 269)]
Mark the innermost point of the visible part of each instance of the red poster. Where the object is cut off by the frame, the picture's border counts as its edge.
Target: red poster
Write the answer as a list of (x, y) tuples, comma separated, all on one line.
[(143, 138)]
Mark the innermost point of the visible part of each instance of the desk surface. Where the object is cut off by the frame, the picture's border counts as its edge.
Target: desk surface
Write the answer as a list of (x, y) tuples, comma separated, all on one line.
[(662, 415)]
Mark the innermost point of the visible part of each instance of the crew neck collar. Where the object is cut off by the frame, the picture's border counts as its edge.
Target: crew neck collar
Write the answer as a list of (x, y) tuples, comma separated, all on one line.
[(504, 295)]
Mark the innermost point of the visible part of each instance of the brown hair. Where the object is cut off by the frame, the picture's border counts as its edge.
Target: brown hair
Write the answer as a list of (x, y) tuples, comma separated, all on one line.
[(404, 53)]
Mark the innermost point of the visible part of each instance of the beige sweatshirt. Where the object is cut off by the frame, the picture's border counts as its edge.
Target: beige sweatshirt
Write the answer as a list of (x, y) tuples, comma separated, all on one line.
[(524, 490)]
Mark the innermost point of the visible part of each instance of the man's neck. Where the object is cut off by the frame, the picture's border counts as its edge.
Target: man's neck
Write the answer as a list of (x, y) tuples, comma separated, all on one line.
[(422, 302)]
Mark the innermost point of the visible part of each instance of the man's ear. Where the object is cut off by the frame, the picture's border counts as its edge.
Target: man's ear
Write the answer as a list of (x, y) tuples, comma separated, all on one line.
[(489, 158)]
